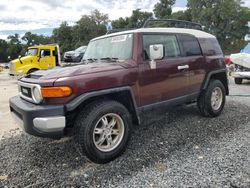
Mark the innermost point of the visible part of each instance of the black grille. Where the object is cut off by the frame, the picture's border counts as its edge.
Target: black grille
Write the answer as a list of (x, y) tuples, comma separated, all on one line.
[(26, 91)]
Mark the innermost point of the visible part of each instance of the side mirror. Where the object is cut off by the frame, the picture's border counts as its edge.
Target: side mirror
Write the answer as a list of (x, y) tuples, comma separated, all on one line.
[(156, 52), (42, 54)]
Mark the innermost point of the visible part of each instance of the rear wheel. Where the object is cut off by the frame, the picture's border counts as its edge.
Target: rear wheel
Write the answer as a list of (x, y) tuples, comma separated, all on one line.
[(238, 80), (103, 131), (211, 101)]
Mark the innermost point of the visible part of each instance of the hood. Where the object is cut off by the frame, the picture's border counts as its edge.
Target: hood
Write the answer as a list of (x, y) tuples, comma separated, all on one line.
[(59, 72), (69, 52), (25, 59), (242, 59)]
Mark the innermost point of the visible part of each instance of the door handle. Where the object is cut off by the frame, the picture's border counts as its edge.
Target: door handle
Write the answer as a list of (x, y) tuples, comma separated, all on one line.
[(183, 67)]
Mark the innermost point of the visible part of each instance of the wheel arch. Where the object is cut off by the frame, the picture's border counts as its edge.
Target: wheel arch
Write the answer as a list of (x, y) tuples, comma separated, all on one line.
[(32, 70), (124, 95), (218, 75)]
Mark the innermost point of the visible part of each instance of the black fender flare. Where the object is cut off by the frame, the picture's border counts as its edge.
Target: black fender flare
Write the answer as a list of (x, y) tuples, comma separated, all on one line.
[(210, 74), (75, 103)]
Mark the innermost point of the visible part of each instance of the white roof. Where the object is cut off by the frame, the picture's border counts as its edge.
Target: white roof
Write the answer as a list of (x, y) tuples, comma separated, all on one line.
[(196, 33)]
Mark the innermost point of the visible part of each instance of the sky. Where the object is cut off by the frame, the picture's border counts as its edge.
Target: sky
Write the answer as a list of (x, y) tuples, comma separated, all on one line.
[(41, 16)]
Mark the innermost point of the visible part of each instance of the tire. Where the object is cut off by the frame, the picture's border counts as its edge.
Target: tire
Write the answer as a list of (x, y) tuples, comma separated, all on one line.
[(208, 104), (91, 138), (238, 80)]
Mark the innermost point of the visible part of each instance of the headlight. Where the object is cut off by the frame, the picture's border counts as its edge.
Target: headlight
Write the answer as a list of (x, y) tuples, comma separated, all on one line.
[(20, 71), (37, 97)]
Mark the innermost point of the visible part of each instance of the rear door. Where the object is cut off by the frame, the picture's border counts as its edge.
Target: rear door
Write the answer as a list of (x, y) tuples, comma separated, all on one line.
[(193, 58), (170, 78)]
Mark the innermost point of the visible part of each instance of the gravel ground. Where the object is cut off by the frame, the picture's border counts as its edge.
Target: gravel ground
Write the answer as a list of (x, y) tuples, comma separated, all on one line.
[(177, 149)]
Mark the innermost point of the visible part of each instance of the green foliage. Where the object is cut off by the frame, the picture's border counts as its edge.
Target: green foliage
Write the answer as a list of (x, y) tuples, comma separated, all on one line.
[(227, 20), (182, 15), (33, 39), (120, 23), (99, 17), (15, 46), (88, 27), (163, 9), (63, 36), (136, 20), (3, 50)]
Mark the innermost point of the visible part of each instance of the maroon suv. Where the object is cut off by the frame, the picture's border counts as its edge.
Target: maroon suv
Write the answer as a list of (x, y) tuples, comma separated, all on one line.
[(121, 76)]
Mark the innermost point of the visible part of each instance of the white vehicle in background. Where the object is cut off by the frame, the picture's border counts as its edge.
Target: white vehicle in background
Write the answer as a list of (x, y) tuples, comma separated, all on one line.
[(241, 63)]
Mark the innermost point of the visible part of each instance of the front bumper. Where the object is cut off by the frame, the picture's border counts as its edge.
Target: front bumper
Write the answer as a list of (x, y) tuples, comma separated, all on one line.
[(38, 120), (245, 75)]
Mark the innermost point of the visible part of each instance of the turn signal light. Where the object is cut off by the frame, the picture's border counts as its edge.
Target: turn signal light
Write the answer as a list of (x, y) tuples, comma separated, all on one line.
[(54, 92)]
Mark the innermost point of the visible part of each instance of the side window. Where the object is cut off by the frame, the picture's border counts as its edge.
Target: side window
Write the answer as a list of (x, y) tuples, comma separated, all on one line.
[(169, 42), (45, 53), (190, 45), (213, 47)]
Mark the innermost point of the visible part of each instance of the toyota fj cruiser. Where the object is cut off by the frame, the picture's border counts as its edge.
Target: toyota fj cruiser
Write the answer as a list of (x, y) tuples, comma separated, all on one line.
[(122, 75)]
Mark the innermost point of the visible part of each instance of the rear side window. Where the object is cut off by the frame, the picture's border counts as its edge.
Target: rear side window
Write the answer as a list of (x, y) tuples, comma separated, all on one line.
[(169, 42), (213, 47), (189, 45)]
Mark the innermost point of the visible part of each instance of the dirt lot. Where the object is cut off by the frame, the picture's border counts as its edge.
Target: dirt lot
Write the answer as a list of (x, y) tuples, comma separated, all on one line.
[(8, 89), (178, 149)]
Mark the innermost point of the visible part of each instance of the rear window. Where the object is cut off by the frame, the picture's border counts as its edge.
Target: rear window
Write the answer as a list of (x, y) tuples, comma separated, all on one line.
[(189, 45)]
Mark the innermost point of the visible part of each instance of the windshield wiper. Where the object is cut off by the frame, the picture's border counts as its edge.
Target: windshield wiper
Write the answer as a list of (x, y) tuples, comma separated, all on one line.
[(113, 59)]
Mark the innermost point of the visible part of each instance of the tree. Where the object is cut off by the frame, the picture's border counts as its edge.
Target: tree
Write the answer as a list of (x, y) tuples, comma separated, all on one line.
[(3, 51), (99, 17), (182, 15), (163, 9), (64, 37), (14, 39), (136, 20), (120, 23), (15, 46), (34, 39), (225, 19), (86, 29)]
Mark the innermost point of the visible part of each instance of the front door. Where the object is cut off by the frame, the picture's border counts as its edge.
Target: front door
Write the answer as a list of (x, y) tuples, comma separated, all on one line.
[(170, 78), (46, 59)]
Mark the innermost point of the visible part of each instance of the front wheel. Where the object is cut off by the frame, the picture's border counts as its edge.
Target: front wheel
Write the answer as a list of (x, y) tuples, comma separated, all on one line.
[(103, 130), (211, 101)]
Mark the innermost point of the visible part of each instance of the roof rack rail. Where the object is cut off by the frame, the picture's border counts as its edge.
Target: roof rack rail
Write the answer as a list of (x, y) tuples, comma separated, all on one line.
[(171, 23), (119, 30)]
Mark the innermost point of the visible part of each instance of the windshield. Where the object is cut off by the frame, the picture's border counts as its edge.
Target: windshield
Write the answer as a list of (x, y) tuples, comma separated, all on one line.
[(81, 49), (246, 49), (116, 47), (32, 52)]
